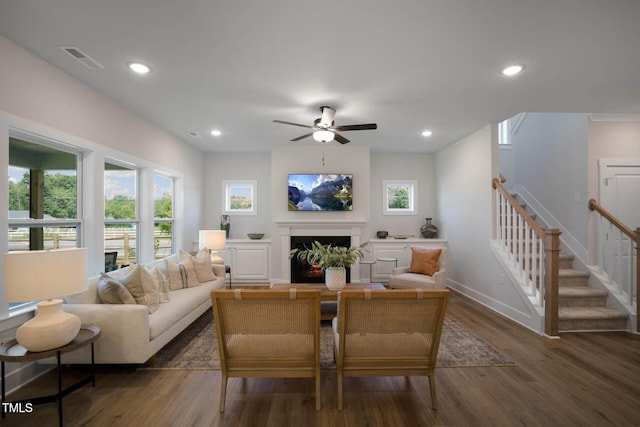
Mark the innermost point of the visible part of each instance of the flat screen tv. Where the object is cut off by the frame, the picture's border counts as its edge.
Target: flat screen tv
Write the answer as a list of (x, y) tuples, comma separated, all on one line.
[(320, 192)]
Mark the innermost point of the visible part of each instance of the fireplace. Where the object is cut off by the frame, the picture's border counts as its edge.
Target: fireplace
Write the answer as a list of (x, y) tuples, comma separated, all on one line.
[(303, 272)]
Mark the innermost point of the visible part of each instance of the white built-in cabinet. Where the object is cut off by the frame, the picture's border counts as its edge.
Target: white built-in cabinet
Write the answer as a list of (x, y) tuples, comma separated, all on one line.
[(249, 260), (399, 249)]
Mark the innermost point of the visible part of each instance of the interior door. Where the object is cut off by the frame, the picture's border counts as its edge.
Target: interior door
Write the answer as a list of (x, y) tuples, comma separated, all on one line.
[(620, 195)]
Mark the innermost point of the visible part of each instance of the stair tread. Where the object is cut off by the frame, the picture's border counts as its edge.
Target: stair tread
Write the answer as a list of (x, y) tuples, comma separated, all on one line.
[(569, 313), (567, 272), (579, 291)]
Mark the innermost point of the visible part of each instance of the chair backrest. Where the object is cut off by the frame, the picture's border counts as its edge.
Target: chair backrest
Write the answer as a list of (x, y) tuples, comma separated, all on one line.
[(265, 329), (110, 261), (392, 328)]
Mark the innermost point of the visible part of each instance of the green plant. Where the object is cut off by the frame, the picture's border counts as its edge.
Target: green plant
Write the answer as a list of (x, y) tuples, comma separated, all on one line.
[(325, 256)]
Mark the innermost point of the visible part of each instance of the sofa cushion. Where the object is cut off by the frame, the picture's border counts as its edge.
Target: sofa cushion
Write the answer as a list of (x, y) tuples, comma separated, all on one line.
[(183, 301), (111, 291), (424, 261), (412, 281)]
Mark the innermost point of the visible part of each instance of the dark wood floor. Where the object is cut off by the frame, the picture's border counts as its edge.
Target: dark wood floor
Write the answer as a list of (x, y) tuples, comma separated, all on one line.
[(582, 379)]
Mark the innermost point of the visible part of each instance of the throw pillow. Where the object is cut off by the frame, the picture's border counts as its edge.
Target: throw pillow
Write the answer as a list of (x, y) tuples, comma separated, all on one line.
[(424, 261), (202, 264), (174, 275), (160, 282), (140, 284), (189, 268), (111, 291)]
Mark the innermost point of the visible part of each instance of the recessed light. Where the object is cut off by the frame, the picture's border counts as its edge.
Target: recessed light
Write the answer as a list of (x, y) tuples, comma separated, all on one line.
[(427, 133), (512, 70), (216, 132), (139, 68)]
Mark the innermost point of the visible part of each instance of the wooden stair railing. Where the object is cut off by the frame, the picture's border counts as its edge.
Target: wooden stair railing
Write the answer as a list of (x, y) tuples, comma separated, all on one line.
[(624, 285), (534, 251)]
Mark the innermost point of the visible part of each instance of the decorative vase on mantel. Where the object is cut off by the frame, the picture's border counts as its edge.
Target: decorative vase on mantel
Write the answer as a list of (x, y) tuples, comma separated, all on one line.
[(428, 230), (335, 278), (225, 223)]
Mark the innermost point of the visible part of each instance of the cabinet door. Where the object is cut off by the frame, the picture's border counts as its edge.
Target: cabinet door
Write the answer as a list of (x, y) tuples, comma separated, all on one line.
[(250, 263), (382, 269)]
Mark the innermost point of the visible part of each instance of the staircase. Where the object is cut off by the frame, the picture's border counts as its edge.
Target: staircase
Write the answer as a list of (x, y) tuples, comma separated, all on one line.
[(581, 308)]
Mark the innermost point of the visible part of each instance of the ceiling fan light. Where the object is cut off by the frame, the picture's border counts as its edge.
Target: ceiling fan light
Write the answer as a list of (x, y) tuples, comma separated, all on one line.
[(323, 135)]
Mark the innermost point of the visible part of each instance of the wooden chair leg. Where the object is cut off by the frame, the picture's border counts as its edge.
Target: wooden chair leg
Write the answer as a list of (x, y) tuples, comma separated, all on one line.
[(432, 387), (223, 391), (318, 395), (340, 391)]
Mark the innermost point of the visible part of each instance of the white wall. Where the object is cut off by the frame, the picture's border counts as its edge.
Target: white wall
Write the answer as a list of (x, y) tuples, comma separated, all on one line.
[(464, 171), (550, 153), (238, 166), (306, 158), (416, 166), (40, 99), (608, 140), (36, 95)]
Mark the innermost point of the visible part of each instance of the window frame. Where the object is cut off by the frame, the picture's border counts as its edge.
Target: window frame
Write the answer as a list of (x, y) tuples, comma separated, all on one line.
[(412, 187), (171, 220), (135, 221), (227, 185)]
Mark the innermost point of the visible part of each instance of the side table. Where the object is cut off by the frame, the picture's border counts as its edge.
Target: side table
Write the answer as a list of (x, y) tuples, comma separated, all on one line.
[(11, 351)]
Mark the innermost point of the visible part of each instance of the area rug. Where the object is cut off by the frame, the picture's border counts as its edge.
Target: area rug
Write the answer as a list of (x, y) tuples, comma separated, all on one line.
[(197, 348)]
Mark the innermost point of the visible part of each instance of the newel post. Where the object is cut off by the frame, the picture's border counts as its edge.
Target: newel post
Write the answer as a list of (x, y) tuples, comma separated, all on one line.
[(551, 279)]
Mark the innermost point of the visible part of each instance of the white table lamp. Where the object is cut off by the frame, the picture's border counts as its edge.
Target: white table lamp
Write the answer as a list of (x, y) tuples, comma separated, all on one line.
[(40, 275), (214, 240)]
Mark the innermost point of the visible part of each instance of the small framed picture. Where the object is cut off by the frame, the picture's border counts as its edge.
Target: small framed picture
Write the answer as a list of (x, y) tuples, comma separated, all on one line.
[(239, 197)]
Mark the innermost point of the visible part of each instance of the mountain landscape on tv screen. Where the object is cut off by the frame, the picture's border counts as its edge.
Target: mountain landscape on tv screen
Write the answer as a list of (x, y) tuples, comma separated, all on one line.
[(320, 192)]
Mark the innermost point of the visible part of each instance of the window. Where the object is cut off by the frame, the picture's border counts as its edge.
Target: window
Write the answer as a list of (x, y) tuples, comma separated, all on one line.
[(163, 215), (121, 211), (43, 195), (239, 197), (399, 197), (504, 137)]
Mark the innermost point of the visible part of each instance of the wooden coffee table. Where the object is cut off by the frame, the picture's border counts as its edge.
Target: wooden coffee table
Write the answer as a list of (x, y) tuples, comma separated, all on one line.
[(327, 296)]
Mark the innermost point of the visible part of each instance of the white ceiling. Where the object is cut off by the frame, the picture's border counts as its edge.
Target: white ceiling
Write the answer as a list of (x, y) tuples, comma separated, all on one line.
[(407, 65)]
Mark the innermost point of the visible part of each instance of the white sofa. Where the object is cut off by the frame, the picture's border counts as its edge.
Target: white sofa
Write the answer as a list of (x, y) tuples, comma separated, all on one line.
[(129, 334)]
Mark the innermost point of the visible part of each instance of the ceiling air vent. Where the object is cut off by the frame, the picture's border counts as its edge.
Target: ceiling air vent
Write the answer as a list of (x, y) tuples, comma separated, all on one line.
[(83, 58)]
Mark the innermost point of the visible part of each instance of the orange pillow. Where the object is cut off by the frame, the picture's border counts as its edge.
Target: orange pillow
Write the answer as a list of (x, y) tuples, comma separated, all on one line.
[(424, 261)]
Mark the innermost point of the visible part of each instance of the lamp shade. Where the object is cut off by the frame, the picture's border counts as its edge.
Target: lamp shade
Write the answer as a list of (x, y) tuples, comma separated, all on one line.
[(39, 275), (213, 239)]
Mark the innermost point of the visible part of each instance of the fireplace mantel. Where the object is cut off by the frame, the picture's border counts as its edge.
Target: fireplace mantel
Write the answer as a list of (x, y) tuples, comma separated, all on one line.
[(315, 227)]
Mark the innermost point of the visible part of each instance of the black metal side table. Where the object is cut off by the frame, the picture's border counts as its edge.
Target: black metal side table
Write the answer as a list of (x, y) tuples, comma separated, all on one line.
[(11, 351)]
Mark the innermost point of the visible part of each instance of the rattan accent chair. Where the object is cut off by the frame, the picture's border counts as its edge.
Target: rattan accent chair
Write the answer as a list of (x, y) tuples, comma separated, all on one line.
[(268, 334), (388, 333)]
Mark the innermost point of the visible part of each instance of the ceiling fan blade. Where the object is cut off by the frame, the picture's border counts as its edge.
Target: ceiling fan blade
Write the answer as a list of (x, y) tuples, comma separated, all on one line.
[(302, 137), (369, 126), (293, 124), (341, 139)]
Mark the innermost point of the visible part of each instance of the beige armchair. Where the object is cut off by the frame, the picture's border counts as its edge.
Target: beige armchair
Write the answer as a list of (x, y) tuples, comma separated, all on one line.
[(427, 271), (268, 333), (389, 333)]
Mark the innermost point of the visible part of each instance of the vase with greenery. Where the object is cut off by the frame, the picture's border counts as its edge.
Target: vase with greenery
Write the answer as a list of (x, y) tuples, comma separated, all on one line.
[(333, 260)]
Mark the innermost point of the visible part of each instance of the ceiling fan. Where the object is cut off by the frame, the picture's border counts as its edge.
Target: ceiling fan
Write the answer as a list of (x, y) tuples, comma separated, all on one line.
[(324, 129)]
